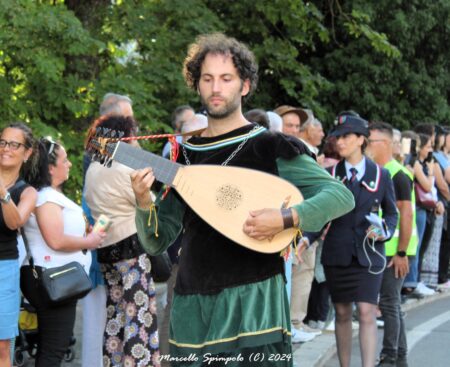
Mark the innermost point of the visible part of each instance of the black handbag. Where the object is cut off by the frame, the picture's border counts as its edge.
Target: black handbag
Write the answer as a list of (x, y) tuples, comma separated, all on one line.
[(62, 283), (66, 283)]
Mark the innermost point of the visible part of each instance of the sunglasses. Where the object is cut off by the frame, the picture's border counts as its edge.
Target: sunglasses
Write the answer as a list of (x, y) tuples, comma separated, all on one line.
[(13, 145), (51, 144)]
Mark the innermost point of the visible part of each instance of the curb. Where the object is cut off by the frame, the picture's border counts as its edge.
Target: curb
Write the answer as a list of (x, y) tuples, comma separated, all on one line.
[(316, 353)]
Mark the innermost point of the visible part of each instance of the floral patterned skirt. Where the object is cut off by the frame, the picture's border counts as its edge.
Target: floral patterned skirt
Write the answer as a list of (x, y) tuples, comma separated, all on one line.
[(131, 334)]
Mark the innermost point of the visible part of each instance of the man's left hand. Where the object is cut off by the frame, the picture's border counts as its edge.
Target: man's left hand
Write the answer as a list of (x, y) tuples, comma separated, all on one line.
[(401, 266)]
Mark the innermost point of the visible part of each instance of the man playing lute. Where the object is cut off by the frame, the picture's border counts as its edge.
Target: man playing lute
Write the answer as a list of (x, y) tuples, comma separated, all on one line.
[(230, 303)]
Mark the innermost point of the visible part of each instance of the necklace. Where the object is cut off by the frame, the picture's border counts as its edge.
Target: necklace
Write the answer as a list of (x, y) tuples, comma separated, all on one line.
[(233, 153)]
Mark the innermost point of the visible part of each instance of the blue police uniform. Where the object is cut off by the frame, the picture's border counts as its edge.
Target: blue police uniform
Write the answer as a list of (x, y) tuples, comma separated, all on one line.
[(353, 267)]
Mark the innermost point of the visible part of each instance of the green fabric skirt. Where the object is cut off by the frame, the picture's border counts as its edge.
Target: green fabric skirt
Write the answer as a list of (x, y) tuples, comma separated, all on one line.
[(240, 326)]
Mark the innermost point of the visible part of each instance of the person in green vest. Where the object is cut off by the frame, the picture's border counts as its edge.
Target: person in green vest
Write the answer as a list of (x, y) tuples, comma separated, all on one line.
[(402, 245)]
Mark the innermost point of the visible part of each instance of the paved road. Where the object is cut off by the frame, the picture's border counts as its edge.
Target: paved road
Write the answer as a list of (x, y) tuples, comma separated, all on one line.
[(428, 330), (428, 333)]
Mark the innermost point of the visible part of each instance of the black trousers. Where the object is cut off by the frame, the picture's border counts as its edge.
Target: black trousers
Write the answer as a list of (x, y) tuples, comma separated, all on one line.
[(318, 302), (55, 322)]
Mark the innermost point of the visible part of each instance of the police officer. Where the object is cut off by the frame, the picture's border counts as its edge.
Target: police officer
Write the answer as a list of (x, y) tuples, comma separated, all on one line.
[(353, 251)]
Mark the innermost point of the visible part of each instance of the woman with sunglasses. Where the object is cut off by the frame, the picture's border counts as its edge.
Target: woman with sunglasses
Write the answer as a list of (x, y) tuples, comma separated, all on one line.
[(56, 234), (17, 200)]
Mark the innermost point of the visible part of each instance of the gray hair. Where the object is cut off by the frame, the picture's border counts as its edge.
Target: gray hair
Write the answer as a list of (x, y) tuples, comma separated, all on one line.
[(111, 104), (311, 121), (275, 121), (397, 133), (178, 112)]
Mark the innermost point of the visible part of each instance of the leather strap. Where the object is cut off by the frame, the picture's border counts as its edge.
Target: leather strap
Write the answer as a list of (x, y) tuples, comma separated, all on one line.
[(288, 219)]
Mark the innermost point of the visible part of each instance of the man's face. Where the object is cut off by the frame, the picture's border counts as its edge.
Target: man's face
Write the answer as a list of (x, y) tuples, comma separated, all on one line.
[(379, 145), (291, 123), (185, 116), (397, 145), (220, 87), (315, 135)]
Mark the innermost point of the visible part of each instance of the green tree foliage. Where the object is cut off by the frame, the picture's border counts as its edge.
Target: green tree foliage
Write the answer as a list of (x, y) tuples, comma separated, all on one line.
[(411, 86), (386, 59)]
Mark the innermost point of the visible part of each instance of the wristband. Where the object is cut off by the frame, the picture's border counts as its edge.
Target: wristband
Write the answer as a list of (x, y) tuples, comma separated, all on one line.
[(288, 218)]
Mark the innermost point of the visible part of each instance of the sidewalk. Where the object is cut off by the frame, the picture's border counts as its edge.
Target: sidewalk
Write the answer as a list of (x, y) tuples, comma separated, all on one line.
[(312, 354), (317, 352)]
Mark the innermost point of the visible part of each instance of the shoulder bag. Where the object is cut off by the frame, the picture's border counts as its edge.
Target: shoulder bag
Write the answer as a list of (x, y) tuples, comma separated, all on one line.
[(424, 199), (62, 283)]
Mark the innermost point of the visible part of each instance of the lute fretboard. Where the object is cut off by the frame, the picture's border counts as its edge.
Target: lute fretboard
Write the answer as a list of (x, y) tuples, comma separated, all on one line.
[(136, 158)]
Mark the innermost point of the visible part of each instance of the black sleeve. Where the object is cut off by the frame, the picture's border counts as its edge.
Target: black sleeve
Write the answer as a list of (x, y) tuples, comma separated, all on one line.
[(402, 186), (17, 189)]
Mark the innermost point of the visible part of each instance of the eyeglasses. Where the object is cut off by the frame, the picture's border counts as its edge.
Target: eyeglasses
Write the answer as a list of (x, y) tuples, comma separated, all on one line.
[(13, 145), (375, 140)]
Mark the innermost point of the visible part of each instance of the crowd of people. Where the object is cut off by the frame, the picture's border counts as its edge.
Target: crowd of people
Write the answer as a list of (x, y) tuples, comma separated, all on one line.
[(417, 253), (372, 232)]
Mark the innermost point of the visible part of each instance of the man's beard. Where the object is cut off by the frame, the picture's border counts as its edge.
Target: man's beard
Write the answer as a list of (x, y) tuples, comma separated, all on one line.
[(221, 112)]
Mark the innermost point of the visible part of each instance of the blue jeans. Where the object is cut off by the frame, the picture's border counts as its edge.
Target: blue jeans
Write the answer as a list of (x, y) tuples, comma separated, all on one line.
[(412, 278), (394, 338)]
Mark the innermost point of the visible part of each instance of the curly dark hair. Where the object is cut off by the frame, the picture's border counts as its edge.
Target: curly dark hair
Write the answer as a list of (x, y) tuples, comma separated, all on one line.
[(218, 43), (127, 124)]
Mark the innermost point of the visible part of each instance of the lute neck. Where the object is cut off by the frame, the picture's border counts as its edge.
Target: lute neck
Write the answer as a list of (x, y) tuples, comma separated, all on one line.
[(137, 158)]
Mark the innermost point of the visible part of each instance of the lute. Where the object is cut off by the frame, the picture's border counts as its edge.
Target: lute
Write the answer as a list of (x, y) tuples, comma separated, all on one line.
[(221, 195)]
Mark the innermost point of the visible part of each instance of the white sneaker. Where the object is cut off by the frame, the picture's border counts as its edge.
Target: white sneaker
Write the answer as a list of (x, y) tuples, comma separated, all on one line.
[(423, 289), (318, 325), (299, 336), (312, 324), (330, 327), (380, 323), (308, 329), (444, 286)]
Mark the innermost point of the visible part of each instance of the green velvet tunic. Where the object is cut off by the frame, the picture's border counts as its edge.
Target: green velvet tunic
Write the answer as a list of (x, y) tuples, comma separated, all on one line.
[(242, 321)]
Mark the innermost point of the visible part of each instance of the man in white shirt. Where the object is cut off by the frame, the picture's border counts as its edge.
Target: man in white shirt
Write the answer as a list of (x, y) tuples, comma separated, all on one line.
[(311, 133), (302, 274)]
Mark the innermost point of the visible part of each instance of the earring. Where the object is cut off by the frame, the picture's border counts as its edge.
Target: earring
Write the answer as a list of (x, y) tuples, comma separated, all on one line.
[(25, 160)]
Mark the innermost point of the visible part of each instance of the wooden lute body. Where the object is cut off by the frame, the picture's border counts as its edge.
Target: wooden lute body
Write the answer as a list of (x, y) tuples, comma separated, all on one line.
[(221, 195)]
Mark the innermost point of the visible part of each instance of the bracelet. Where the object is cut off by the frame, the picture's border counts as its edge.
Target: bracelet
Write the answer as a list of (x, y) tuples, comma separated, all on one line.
[(288, 218)]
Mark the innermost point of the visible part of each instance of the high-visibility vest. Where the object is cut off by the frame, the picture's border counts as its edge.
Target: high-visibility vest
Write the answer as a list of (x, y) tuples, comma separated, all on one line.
[(391, 246)]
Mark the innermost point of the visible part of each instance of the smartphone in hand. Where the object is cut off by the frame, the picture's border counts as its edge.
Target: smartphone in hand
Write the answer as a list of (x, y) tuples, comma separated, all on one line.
[(102, 224)]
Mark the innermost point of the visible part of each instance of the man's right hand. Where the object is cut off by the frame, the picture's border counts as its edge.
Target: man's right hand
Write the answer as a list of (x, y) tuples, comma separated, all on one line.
[(141, 182), (303, 244)]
